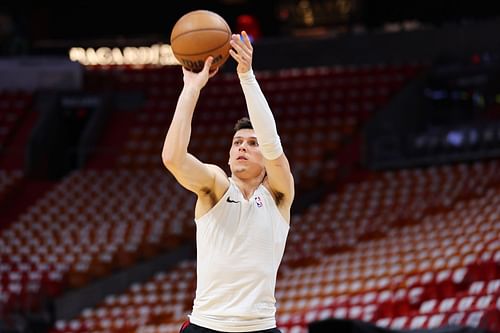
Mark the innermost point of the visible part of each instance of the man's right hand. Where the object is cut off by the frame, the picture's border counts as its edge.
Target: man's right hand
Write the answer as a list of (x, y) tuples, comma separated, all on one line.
[(199, 80)]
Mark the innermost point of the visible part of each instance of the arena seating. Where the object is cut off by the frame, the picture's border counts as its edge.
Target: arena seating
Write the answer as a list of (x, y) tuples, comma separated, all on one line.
[(407, 249), (163, 300), (89, 225), (317, 111)]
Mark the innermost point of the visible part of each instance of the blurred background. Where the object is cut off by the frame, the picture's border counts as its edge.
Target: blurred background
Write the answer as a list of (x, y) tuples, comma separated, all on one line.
[(389, 112), (30, 26)]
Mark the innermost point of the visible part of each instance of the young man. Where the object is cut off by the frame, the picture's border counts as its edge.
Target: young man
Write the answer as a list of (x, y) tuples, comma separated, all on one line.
[(241, 222)]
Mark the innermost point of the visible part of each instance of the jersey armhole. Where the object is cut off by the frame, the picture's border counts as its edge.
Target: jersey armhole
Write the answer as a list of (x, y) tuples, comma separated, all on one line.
[(222, 199)]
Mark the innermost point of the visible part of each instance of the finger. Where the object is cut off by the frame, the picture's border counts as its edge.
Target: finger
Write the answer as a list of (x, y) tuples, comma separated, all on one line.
[(208, 63), (235, 56), (236, 39), (246, 39), (241, 48), (212, 74), (238, 58), (244, 42)]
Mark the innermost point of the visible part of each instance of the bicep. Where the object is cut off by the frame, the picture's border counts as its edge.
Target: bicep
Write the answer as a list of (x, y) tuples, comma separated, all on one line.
[(194, 175), (279, 177)]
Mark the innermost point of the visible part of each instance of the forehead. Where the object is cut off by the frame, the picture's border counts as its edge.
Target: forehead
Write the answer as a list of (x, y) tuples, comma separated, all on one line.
[(245, 133)]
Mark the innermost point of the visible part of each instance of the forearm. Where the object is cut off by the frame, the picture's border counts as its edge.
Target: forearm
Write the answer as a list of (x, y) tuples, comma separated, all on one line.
[(261, 116), (179, 132)]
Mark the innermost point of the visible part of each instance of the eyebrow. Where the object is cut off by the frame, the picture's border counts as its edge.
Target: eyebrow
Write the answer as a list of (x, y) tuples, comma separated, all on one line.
[(245, 137)]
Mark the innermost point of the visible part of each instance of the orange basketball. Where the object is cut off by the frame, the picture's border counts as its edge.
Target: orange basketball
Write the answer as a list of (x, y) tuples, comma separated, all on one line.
[(198, 35)]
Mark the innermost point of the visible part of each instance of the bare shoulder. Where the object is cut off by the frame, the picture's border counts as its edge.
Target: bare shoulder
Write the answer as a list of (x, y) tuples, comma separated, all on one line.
[(279, 180), (220, 183), (282, 200), (209, 196)]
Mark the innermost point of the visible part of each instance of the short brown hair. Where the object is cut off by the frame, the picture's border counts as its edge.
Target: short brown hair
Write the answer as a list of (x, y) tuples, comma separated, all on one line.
[(243, 123)]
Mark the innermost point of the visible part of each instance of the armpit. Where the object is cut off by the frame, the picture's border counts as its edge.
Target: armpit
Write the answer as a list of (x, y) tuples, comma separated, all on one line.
[(278, 197), (207, 192)]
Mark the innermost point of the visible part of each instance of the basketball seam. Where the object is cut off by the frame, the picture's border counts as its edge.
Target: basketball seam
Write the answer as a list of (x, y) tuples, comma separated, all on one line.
[(191, 31), (206, 12), (205, 51)]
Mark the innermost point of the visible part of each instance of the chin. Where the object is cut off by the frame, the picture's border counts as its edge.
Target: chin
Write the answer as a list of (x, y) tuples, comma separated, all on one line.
[(237, 170)]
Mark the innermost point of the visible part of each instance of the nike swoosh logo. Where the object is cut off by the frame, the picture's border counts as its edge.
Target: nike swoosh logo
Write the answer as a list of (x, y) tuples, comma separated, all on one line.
[(231, 201)]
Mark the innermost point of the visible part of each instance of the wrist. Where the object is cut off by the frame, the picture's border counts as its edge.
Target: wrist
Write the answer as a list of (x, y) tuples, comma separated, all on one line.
[(191, 89), (248, 75)]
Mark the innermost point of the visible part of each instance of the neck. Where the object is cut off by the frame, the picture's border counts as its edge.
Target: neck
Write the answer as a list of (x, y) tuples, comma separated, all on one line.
[(248, 185)]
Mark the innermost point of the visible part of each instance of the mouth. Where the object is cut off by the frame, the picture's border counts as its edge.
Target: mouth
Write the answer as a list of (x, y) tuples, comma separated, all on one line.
[(241, 158)]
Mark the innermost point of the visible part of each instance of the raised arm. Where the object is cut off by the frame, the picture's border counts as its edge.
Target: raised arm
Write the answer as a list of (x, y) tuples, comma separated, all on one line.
[(192, 174), (277, 167)]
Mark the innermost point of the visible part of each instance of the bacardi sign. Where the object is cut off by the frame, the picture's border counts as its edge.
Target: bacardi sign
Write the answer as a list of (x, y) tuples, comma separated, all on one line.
[(157, 54)]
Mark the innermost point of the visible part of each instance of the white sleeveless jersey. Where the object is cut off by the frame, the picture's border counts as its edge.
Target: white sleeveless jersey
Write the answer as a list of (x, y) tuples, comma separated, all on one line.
[(240, 244)]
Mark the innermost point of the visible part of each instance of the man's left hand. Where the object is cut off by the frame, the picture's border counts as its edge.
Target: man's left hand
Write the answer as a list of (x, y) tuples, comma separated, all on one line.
[(242, 51)]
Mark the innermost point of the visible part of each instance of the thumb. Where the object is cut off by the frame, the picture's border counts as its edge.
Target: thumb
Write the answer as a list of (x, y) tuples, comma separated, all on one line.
[(208, 63)]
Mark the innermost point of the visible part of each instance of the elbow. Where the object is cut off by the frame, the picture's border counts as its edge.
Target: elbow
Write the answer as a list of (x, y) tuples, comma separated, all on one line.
[(167, 162), (168, 158), (171, 159)]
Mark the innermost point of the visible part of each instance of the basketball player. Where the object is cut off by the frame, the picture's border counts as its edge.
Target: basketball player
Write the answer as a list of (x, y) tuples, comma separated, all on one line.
[(242, 221)]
